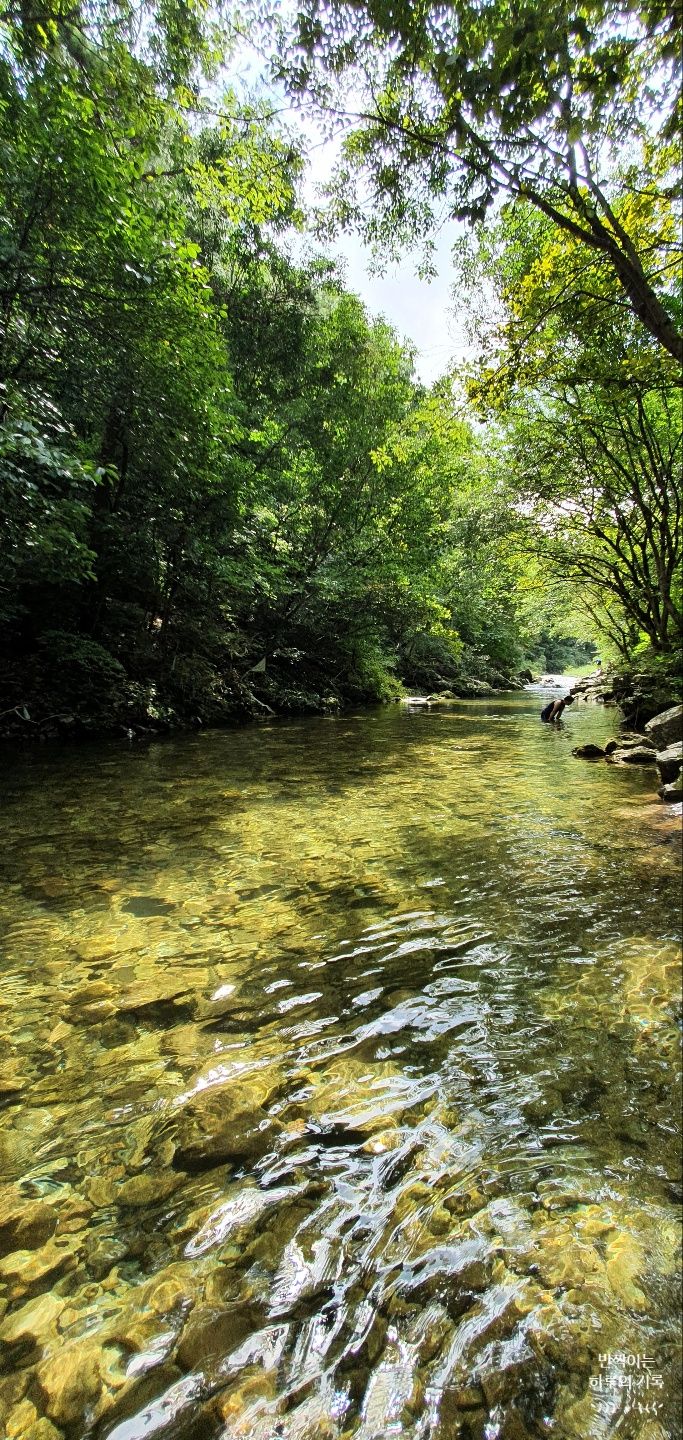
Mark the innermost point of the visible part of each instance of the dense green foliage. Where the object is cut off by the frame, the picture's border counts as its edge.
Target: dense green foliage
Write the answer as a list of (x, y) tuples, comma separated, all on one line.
[(591, 427), (221, 487), (222, 490), (552, 131), (567, 107)]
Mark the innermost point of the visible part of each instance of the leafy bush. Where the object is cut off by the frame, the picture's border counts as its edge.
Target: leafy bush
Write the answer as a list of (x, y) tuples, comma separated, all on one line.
[(372, 673), (71, 674)]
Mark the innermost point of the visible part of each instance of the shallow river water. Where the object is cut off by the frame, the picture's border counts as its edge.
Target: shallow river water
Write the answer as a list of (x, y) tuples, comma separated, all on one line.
[(338, 1085)]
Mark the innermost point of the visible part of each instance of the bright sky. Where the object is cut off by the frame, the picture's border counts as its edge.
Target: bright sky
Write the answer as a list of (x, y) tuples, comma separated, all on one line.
[(421, 311)]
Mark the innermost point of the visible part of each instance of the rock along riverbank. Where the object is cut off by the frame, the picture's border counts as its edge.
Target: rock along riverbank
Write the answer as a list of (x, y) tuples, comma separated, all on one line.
[(659, 741)]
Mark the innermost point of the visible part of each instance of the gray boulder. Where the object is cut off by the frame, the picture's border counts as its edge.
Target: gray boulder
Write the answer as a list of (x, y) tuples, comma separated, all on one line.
[(471, 689), (223, 1122), (674, 791), (628, 742), (643, 699), (594, 687), (634, 755), (588, 752), (666, 728), (670, 761)]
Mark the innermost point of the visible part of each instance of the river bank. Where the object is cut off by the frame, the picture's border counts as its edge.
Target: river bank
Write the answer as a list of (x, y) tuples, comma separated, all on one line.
[(80, 697), (74, 701), (652, 728), (658, 744)]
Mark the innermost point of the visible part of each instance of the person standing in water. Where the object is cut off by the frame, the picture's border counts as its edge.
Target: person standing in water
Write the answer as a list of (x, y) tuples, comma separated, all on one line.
[(553, 711)]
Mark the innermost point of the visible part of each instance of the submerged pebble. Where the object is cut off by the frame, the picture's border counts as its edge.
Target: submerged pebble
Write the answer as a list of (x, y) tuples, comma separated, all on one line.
[(346, 1115)]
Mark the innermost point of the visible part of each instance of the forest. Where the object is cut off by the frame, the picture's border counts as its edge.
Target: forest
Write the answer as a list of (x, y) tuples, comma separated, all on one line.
[(224, 492), (340, 1038)]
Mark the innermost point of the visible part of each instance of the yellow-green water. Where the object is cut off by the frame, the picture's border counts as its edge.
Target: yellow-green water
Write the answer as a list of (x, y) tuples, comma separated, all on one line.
[(338, 1085)]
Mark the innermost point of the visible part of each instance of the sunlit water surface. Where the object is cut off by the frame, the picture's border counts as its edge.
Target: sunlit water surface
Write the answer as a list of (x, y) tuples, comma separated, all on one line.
[(338, 1085)]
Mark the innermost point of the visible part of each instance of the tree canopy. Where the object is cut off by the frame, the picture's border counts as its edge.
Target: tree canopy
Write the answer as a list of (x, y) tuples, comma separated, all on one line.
[(448, 109), (223, 491), (221, 487), (591, 426)]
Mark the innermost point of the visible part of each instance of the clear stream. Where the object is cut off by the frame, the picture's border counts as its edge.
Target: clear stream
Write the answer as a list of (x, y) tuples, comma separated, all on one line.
[(338, 1084)]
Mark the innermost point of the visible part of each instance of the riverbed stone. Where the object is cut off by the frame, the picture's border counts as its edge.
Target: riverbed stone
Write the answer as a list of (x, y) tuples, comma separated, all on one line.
[(143, 1190), (155, 1000), (225, 1121), (19, 1419), (665, 729), (167, 1291), (238, 1407), (582, 1417), (70, 1381), (446, 1269), (21, 1270), (594, 1221), (628, 739), (563, 1261), (24, 1223), (73, 1214), (60, 1032), (589, 752), (12, 1081), (13, 1387), (33, 1322), (670, 762), (467, 1397), (18, 1135), (42, 1429), (440, 1221), (24, 1423), (353, 1095), (674, 791), (211, 1334), (625, 1262), (633, 755), (389, 1389), (384, 1140), (134, 1324)]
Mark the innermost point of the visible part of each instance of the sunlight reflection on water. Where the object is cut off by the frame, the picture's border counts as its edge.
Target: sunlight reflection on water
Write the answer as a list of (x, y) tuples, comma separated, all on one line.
[(338, 1081)]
